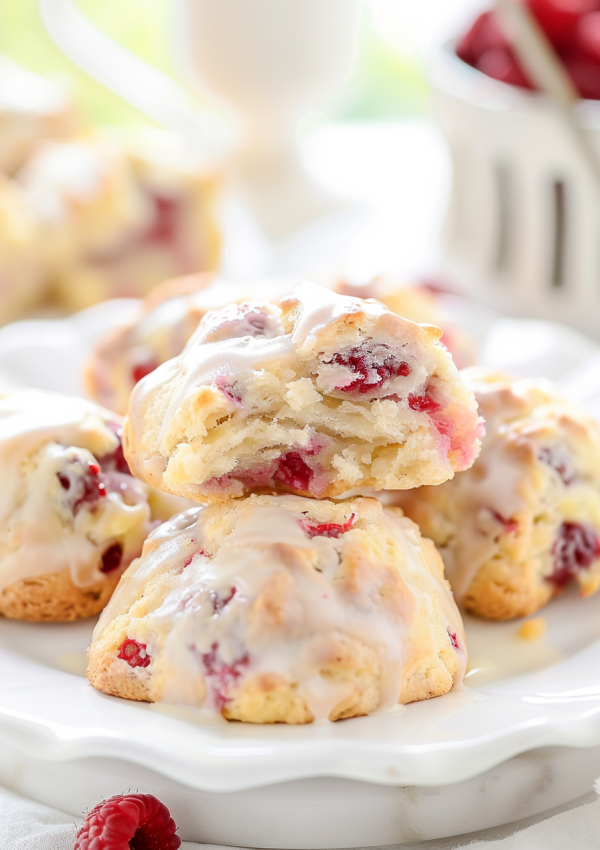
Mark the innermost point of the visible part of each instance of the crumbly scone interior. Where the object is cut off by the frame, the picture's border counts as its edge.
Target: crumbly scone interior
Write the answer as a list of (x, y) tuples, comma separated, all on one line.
[(316, 396), (282, 609)]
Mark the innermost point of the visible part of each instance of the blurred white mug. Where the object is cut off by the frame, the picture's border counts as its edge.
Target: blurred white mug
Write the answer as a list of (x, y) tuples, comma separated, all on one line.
[(266, 62)]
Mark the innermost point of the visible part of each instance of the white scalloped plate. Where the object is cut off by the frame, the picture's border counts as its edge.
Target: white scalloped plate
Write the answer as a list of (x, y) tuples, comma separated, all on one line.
[(520, 695)]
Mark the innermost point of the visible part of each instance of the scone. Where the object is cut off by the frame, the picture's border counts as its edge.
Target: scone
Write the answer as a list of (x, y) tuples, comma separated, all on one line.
[(71, 516), (525, 519), (172, 311), (31, 108), (316, 395), (168, 317), (282, 609), (118, 218), (22, 272), (418, 303)]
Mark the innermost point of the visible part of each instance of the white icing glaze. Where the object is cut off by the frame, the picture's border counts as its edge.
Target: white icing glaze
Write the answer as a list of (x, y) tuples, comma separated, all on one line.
[(496, 489), (267, 549)]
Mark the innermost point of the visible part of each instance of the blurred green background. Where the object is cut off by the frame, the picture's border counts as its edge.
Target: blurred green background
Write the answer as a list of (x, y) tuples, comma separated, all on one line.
[(387, 82)]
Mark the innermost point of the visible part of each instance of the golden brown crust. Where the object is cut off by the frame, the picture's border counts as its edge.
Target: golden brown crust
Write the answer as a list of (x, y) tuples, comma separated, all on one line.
[(104, 675), (54, 598), (504, 589)]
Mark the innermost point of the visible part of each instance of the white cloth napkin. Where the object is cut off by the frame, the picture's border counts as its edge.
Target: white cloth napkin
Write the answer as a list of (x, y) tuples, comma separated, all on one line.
[(25, 825)]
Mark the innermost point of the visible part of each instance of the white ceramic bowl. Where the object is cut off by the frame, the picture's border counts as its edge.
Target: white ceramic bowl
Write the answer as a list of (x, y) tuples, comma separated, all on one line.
[(524, 216), (499, 749)]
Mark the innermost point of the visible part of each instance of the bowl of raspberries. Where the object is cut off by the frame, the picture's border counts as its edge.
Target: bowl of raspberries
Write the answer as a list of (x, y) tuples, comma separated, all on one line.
[(571, 26), (524, 214)]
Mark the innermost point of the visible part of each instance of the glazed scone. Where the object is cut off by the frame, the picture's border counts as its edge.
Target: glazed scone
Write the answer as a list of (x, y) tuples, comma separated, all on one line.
[(282, 609), (71, 516), (172, 311), (168, 317), (31, 108), (317, 395), (525, 519), (116, 218), (22, 271)]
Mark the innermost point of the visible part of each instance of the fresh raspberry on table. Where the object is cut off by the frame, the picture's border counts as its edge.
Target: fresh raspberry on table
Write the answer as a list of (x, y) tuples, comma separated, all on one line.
[(128, 822)]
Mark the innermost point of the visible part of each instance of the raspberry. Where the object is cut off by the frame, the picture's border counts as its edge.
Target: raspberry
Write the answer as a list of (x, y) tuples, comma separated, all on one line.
[(227, 387), (191, 557), (219, 602), (500, 63), (585, 74), (250, 478), (559, 18), (373, 366), (84, 483), (294, 472), (447, 428), (325, 529), (588, 35), (316, 445), (140, 370), (134, 653), (575, 548), (239, 320), (115, 460), (111, 559), (253, 317), (558, 459), (485, 34), (128, 822), (510, 525), (163, 230), (222, 676), (453, 639), (422, 403)]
